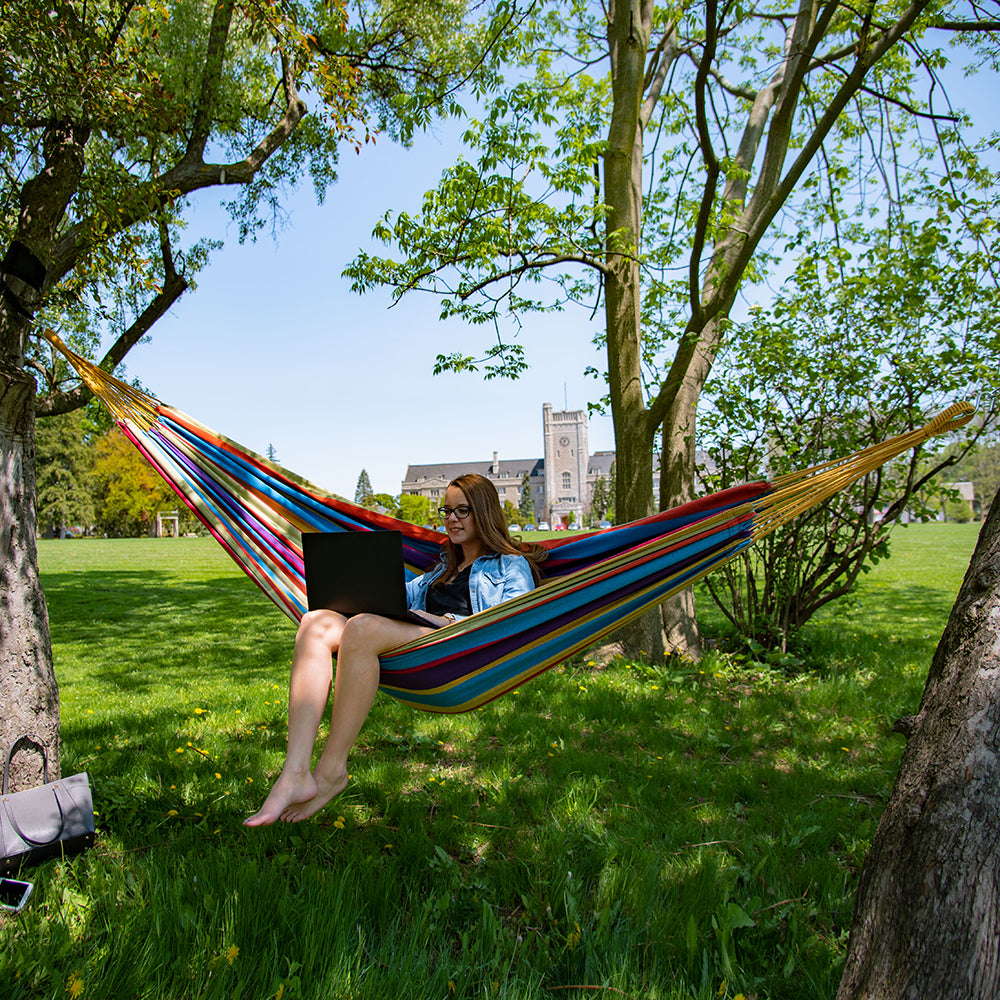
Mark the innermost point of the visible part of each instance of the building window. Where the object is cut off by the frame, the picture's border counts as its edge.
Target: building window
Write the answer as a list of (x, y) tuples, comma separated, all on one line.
[(567, 481)]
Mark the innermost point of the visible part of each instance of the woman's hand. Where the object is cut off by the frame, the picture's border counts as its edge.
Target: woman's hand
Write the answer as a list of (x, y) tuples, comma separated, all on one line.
[(437, 621)]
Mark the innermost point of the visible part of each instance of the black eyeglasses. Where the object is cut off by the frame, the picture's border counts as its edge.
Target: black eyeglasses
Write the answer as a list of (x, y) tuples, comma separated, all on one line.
[(460, 512)]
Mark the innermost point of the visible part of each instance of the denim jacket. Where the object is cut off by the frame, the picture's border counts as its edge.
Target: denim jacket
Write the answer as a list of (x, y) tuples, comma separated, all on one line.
[(495, 578)]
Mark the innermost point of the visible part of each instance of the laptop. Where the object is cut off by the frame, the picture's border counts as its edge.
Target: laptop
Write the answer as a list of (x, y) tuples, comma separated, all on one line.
[(357, 572)]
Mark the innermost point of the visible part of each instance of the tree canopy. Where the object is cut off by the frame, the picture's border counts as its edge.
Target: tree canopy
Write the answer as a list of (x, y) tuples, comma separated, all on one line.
[(656, 162), (113, 117)]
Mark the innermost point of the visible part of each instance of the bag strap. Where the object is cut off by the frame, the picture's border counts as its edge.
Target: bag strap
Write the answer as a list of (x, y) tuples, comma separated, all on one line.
[(30, 738), (12, 819)]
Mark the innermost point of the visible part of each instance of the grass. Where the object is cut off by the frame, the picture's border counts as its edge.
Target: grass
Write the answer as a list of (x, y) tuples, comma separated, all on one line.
[(670, 831)]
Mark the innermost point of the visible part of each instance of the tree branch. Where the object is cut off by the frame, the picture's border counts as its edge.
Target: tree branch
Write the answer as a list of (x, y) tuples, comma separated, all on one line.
[(708, 155), (215, 55), (762, 210), (535, 265), (174, 285)]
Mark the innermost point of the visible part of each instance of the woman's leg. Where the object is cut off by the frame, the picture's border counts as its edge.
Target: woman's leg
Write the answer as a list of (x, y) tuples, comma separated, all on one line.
[(317, 640), (364, 638)]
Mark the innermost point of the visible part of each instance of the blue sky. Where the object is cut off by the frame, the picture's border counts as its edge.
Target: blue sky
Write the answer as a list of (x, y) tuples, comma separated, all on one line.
[(274, 348)]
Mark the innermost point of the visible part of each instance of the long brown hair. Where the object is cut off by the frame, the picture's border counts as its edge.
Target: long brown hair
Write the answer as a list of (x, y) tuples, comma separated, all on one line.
[(491, 526)]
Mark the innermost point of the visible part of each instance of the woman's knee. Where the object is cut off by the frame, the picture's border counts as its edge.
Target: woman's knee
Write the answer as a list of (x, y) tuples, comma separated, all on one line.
[(371, 632), (324, 627)]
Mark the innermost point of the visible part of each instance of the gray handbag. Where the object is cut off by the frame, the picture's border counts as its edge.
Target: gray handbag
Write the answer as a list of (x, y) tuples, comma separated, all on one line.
[(54, 818)]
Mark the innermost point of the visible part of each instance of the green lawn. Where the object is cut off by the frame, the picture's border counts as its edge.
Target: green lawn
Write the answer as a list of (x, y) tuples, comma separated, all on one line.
[(675, 831)]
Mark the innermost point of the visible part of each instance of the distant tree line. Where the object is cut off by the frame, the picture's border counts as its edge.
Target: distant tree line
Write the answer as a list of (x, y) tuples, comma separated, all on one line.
[(91, 479)]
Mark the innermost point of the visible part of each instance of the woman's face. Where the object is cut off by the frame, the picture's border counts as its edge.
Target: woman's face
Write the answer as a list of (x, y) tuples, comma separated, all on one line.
[(461, 530)]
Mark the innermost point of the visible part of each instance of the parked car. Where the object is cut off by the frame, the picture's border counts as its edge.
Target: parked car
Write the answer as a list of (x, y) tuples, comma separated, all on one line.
[(605, 524), (530, 527), (559, 527), (514, 527), (544, 526)]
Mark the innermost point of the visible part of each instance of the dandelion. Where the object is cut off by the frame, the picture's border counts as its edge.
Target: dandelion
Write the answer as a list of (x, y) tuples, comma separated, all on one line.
[(722, 987), (232, 953), (199, 711), (74, 985), (339, 822), (281, 991), (388, 847), (218, 776), (573, 938), (171, 812), (180, 749), (451, 986)]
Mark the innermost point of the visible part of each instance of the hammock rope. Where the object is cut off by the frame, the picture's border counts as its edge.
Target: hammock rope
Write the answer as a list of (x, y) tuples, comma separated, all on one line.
[(595, 581)]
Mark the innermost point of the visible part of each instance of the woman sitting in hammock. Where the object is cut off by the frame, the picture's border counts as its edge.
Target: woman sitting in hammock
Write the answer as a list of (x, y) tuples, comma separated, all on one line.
[(480, 566)]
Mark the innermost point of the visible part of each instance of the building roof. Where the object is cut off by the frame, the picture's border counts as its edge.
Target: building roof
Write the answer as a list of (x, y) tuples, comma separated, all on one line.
[(599, 464), (514, 468)]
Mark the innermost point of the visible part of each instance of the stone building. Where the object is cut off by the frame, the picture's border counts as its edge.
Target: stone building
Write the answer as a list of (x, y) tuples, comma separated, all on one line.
[(561, 482)]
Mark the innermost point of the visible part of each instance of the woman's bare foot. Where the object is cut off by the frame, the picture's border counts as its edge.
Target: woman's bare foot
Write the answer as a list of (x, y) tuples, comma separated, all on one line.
[(288, 791), (326, 789)]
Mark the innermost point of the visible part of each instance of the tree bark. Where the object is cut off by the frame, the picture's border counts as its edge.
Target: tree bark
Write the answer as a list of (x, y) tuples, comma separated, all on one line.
[(28, 690), (677, 465), (927, 918), (629, 27), (30, 693)]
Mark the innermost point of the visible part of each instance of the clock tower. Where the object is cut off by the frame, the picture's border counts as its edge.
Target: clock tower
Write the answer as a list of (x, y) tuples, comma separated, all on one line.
[(566, 457)]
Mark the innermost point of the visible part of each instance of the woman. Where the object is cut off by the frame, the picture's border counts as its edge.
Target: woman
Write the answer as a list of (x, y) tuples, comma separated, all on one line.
[(480, 566)]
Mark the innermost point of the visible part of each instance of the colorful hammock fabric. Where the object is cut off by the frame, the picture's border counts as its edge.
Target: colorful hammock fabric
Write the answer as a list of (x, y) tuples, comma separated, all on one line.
[(595, 581)]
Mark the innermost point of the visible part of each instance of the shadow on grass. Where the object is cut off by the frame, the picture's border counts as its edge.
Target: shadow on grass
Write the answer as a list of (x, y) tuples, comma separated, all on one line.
[(593, 827), (590, 828), (171, 631)]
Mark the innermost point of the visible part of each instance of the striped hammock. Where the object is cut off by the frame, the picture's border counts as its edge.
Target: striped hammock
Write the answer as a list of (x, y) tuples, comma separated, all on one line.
[(594, 583)]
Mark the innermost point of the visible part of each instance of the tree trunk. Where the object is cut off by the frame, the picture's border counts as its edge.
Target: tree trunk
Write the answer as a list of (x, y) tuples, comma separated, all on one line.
[(629, 26), (27, 681), (927, 918), (677, 464), (29, 696)]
